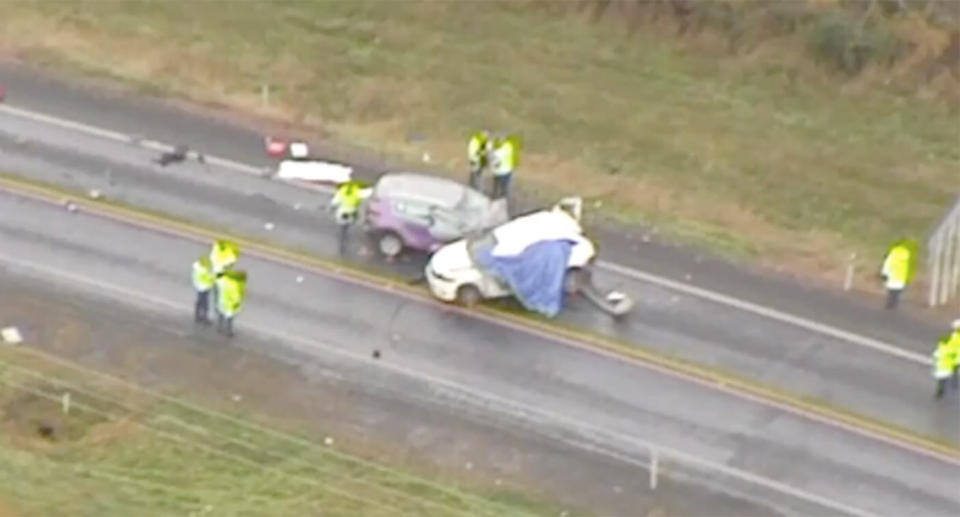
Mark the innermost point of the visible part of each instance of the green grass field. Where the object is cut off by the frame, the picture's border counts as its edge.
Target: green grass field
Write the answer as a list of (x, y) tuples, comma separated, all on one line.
[(757, 151), (121, 451)]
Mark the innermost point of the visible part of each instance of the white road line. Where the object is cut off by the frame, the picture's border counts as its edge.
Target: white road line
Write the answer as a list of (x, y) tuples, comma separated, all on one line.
[(767, 312), (626, 271), (501, 404)]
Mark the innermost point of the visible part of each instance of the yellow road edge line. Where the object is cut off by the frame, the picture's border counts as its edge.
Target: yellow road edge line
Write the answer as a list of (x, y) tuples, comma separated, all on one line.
[(575, 337)]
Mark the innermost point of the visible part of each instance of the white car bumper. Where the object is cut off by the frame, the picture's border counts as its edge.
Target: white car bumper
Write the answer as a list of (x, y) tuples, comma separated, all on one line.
[(442, 288)]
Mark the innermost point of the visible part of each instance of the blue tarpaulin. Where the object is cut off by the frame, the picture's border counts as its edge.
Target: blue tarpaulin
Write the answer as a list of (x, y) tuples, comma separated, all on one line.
[(536, 275)]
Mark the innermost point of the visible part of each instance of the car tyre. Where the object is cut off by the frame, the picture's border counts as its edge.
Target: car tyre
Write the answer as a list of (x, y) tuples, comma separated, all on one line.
[(575, 280), (468, 295), (389, 243)]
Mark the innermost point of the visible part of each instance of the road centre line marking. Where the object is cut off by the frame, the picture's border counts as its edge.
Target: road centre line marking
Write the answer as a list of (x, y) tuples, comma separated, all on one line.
[(512, 406), (713, 296), (678, 368)]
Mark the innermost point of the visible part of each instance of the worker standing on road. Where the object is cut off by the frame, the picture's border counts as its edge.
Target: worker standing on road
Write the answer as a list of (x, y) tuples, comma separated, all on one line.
[(223, 255), (955, 347), (478, 149), (897, 271), (231, 290), (945, 364), (203, 282), (346, 203), (505, 154)]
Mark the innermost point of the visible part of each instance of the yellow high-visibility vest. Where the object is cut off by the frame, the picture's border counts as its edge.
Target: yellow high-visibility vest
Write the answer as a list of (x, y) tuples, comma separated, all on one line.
[(477, 145), (231, 290), (348, 197), (223, 254), (944, 359), (896, 267), (506, 157), (203, 277)]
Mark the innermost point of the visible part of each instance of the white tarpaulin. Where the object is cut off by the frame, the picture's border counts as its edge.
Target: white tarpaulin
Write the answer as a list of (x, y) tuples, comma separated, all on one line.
[(515, 236), (314, 171)]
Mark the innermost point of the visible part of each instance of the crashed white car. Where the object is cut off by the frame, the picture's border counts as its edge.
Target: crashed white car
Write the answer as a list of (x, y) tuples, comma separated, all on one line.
[(453, 275)]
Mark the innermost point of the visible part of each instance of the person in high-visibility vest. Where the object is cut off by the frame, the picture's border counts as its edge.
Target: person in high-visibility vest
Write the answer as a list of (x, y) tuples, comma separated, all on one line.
[(346, 203), (478, 154), (897, 270), (944, 364), (505, 156), (223, 255), (203, 282), (955, 347), (231, 291)]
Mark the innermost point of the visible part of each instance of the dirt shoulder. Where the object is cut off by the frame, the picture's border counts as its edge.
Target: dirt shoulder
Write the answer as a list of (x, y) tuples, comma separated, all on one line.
[(301, 395)]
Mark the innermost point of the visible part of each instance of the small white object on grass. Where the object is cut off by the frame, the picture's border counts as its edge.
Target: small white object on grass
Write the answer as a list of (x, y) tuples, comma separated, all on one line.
[(11, 335), (426, 157), (236, 398), (328, 441), (95, 194)]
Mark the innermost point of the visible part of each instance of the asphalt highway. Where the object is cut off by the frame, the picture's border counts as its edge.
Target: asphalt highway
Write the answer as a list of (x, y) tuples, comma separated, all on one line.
[(601, 402), (884, 386), (218, 133), (613, 406)]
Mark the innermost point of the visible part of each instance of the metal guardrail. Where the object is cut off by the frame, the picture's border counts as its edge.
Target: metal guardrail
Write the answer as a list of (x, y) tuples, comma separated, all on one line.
[(944, 258)]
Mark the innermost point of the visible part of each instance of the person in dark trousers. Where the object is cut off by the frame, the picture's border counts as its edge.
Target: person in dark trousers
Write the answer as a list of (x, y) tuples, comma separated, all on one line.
[(897, 270), (945, 365), (203, 282)]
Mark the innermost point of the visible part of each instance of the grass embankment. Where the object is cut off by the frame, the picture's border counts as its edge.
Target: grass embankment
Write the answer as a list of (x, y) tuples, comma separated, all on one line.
[(120, 451), (754, 149)]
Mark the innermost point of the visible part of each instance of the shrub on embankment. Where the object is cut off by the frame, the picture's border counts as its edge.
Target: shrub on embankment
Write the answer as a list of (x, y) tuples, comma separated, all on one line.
[(912, 45)]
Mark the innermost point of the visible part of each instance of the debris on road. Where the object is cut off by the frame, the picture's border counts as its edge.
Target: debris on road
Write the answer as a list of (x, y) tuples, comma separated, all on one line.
[(268, 226), (11, 336), (177, 155)]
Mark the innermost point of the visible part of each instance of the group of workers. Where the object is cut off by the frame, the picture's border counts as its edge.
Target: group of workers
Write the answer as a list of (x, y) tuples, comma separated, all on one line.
[(500, 154), (214, 277), (899, 266)]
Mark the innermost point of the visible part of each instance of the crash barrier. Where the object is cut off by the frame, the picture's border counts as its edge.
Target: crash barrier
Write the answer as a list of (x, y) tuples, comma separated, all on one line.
[(944, 258)]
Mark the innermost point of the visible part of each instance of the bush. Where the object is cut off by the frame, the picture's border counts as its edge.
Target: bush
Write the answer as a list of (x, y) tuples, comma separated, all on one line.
[(850, 44)]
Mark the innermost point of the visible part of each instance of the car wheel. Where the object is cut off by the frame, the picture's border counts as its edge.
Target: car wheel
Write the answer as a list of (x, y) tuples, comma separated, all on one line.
[(575, 280), (468, 295), (390, 244)]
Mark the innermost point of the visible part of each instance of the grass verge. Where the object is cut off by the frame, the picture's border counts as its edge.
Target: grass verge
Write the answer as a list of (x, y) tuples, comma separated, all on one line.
[(752, 152), (120, 450)]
